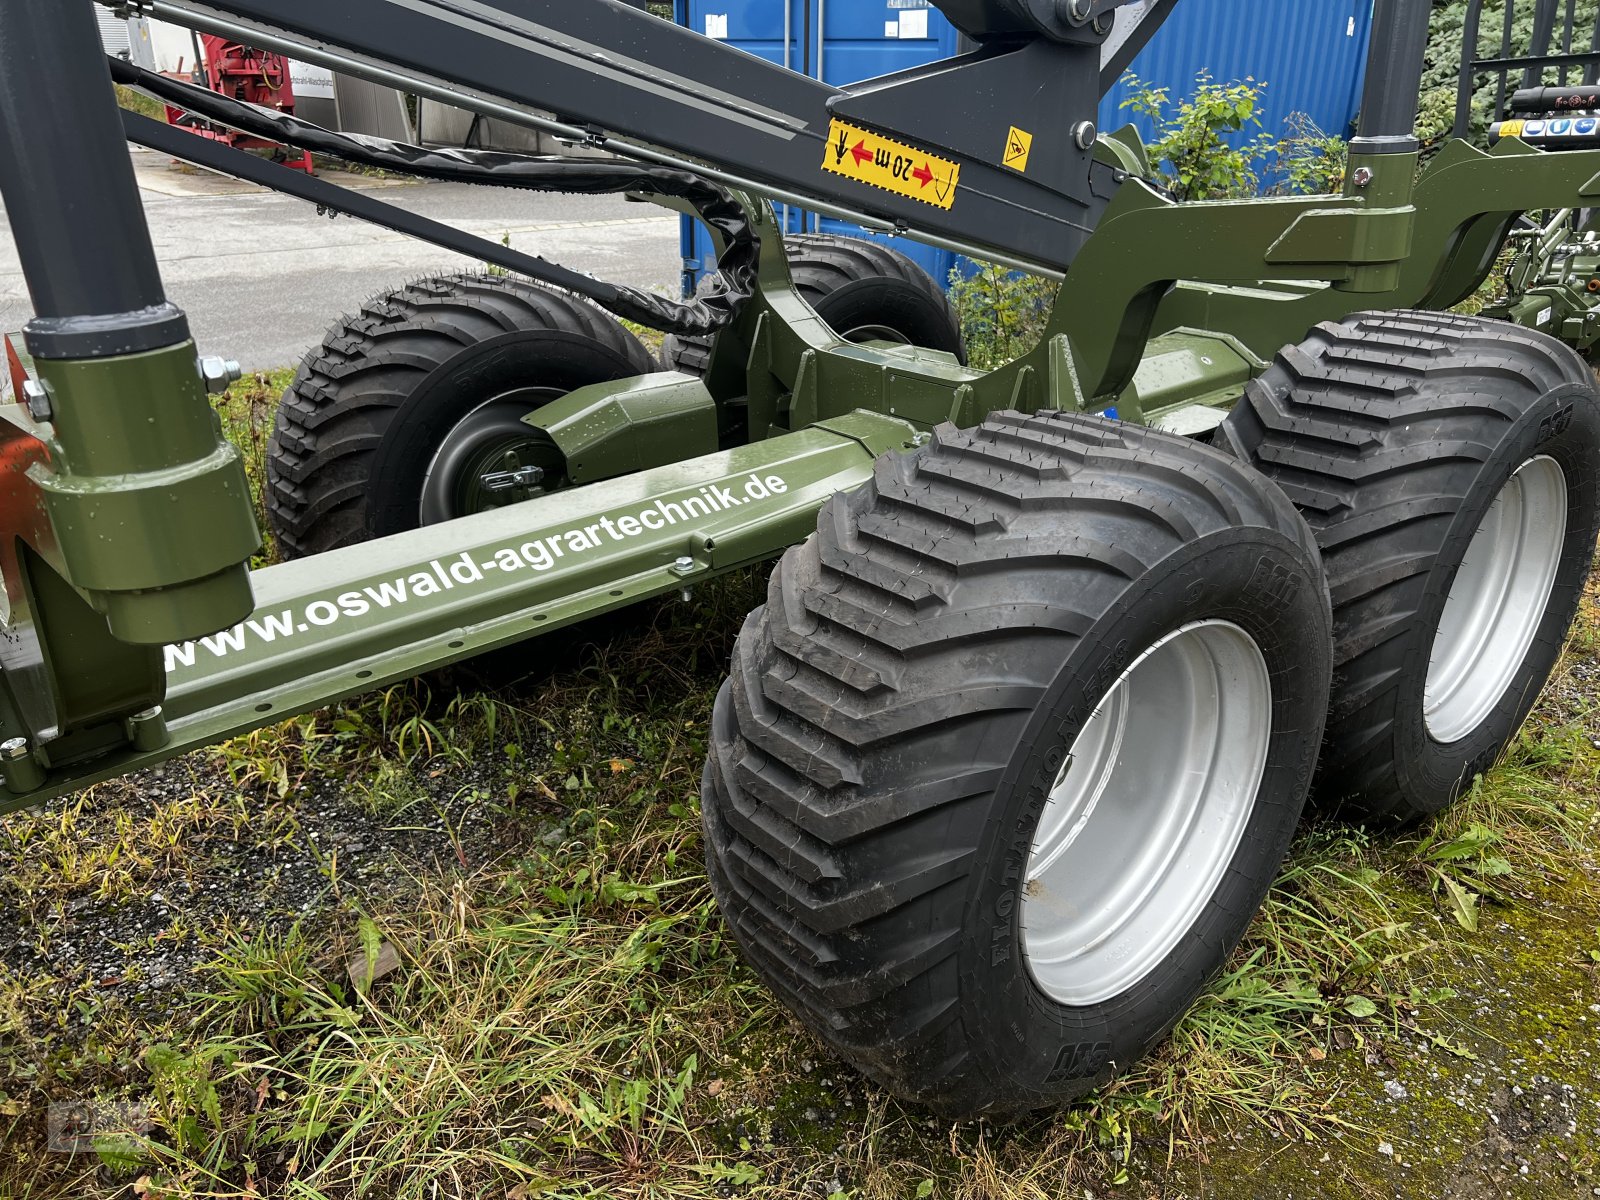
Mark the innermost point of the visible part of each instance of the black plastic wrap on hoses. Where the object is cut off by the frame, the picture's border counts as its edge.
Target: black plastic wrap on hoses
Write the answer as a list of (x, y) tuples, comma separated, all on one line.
[(712, 308)]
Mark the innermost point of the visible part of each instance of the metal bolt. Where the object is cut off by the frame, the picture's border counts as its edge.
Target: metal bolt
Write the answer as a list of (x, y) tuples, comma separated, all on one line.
[(146, 729), (1083, 134), (38, 399), (18, 768), (1077, 11), (683, 563), (218, 373), (1362, 176)]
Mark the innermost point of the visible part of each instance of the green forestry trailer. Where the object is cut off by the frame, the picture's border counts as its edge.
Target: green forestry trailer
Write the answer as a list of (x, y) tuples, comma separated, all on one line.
[(1054, 653)]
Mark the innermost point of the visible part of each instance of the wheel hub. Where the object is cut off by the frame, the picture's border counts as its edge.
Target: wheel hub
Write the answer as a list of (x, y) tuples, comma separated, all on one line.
[(1146, 813), (1497, 601), (491, 458)]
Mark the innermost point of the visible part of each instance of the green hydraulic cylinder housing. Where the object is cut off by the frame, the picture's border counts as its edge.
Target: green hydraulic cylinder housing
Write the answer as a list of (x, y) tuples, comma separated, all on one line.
[(148, 502)]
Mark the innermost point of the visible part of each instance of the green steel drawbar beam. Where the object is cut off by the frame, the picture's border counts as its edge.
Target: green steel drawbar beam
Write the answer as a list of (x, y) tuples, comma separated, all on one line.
[(353, 619)]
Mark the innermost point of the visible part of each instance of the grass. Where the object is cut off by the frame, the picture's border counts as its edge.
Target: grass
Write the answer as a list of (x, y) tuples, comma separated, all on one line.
[(136, 101), (568, 1017), (246, 412), (445, 941)]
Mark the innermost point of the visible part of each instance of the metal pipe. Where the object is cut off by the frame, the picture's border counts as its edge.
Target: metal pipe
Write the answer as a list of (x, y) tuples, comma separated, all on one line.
[(70, 193), (1506, 30), (1394, 78), (1467, 78), (1538, 60), (1566, 37), (374, 73), (822, 54), (1544, 28), (788, 62)]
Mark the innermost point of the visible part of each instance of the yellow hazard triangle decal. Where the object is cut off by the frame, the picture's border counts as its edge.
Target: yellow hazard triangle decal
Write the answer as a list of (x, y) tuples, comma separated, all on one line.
[(881, 162)]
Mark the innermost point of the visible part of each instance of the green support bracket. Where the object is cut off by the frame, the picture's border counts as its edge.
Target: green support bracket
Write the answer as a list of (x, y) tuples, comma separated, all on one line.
[(634, 424), (1359, 251)]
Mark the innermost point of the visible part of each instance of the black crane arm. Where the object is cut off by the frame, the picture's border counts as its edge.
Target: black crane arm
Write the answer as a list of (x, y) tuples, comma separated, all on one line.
[(988, 151)]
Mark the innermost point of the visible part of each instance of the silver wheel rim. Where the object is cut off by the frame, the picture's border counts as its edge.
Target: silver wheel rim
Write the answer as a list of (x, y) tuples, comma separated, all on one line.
[(1146, 813), (1497, 601)]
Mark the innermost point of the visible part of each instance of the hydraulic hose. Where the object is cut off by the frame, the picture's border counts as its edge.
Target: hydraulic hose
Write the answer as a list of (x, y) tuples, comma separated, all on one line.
[(713, 307)]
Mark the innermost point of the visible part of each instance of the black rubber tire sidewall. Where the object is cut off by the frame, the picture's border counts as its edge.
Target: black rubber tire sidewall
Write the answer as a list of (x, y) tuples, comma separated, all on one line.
[(923, 319), (1218, 578), (480, 372), (1562, 426)]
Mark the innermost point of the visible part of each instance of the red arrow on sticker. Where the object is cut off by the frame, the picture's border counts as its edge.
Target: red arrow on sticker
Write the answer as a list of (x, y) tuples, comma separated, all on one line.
[(861, 152), (923, 175)]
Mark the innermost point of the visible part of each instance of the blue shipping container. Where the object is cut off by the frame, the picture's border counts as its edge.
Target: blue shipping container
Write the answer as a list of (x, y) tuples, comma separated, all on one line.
[(1310, 53), (855, 41)]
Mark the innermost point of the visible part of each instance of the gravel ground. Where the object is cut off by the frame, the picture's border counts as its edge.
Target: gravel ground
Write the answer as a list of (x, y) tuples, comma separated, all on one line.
[(288, 861), (1495, 1094)]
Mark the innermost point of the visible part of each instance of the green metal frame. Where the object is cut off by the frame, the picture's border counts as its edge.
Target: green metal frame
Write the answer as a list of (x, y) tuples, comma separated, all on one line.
[(117, 540), (1553, 283)]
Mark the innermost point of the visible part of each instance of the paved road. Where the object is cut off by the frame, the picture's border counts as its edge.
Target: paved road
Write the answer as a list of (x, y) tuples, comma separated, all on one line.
[(261, 275)]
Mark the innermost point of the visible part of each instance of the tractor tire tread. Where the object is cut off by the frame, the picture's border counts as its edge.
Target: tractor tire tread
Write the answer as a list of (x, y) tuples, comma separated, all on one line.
[(1372, 428), (345, 391), (839, 866)]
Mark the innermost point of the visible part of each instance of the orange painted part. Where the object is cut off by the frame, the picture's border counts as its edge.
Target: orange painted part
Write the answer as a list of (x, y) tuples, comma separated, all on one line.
[(15, 369)]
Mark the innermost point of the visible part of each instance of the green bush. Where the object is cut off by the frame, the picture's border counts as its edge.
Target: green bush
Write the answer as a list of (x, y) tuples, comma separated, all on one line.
[(1192, 154), (1002, 313), (1436, 115), (1198, 153), (1313, 162)]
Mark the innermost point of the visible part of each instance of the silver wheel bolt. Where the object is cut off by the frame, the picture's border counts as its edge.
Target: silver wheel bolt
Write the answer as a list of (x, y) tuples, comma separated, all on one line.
[(218, 373)]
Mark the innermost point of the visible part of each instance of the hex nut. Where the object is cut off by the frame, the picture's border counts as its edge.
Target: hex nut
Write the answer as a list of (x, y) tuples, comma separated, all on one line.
[(37, 398), (218, 373)]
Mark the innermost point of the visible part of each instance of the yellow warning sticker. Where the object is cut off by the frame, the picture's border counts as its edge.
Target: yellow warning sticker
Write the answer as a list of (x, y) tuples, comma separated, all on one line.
[(881, 162), (1018, 143), (1512, 128)]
